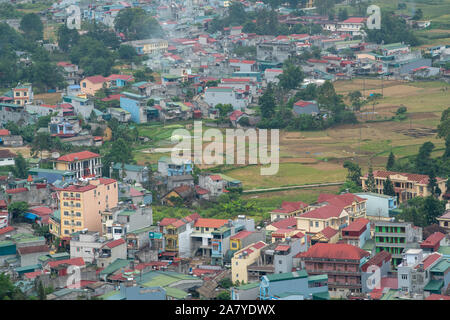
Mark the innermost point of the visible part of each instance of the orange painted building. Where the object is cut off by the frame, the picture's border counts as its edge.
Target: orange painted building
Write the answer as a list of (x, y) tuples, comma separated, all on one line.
[(81, 206)]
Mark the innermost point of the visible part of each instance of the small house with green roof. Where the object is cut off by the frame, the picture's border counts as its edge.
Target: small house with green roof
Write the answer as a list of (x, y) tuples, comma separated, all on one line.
[(130, 172)]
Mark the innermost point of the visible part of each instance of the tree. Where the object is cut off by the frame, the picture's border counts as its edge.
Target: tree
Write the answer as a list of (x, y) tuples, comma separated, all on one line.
[(41, 291), (390, 162), (324, 7), (388, 187), (67, 38), (343, 14), (32, 27), (127, 52), (291, 77), (354, 172), (42, 141), (267, 103), (393, 29), (136, 24), (350, 186), (92, 56), (423, 162), (17, 209), (20, 167), (432, 185), (226, 283), (370, 182), (224, 295), (433, 208), (418, 14), (355, 99)]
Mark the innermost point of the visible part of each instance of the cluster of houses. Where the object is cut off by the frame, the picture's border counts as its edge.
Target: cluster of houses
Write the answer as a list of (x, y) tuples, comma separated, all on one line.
[(104, 228), (340, 246)]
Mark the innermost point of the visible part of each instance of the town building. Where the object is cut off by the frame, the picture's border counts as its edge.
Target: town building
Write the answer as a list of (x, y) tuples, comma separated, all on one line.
[(243, 259), (341, 262), (406, 185), (288, 209), (83, 164), (80, 206), (318, 219), (378, 206), (396, 238), (357, 232)]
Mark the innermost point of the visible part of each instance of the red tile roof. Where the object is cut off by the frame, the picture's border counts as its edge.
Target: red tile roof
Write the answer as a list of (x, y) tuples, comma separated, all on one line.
[(357, 225), (428, 261), (4, 132), (33, 249), (200, 190), (79, 155), (432, 240), (344, 200), (258, 245), (241, 235), (17, 190), (338, 251), (285, 223), (124, 77), (236, 114), (95, 79), (324, 212), (78, 188), (354, 20), (115, 243), (419, 178), (210, 223), (435, 296), (302, 103), (282, 248), (6, 229), (107, 181), (329, 232), (377, 260), (72, 262), (215, 177), (167, 221)]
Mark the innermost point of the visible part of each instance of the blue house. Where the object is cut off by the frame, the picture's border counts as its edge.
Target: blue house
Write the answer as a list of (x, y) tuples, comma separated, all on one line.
[(168, 168), (51, 175), (293, 286), (119, 80), (378, 205), (136, 105)]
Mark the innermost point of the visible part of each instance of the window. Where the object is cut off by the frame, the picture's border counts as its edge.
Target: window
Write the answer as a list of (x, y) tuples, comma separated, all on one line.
[(311, 224), (66, 222), (66, 231), (66, 213), (404, 276), (280, 261), (317, 224), (78, 214)]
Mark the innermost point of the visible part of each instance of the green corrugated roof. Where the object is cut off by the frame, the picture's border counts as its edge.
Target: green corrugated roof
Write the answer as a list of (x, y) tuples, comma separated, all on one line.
[(319, 277), (441, 266), (321, 296), (146, 229), (25, 268), (287, 275), (116, 265), (288, 294), (445, 250), (369, 245), (62, 172), (126, 213), (128, 167), (248, 286), (6, 243), (434, 285), (176, 293)]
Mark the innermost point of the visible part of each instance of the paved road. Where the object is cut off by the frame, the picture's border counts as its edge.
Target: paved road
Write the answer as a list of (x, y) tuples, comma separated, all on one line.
[(295, 187)]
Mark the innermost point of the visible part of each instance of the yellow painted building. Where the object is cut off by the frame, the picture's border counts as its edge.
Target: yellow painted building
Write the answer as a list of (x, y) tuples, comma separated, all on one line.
[(406, 185), (91, 85), (244, 258), (23, 94), (149, 46), (444, 220), (80, 206)]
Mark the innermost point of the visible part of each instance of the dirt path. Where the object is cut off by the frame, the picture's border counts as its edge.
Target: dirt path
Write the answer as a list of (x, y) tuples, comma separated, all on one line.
[(295, 187)]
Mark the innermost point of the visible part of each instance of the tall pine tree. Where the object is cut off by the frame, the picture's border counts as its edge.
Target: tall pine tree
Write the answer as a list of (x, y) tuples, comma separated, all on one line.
[(388, 187), (390, 162), (370, 183)]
